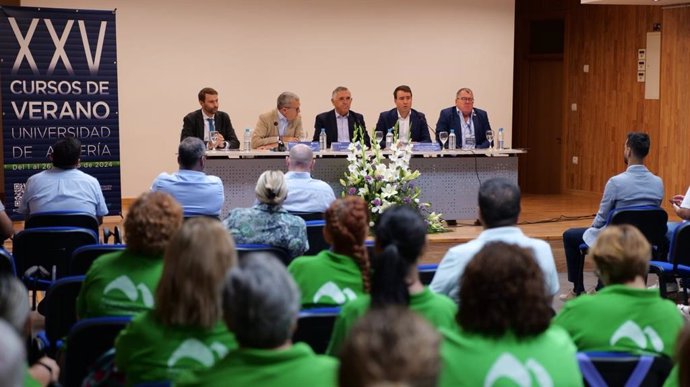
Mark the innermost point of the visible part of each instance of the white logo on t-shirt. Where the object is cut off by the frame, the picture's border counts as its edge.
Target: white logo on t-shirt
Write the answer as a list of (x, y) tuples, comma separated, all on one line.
[(507, 366), (639, 336), (331, 290), (126, 286), (199, 352)]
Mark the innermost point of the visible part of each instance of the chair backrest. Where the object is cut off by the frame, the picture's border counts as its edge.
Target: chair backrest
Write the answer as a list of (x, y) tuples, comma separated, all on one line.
[(7, 262), (427, 272), (87, 341), (603, 369), (315, 326), (60, 308), (245, 249), (49, 246), (679, 252), (83, 256), (308, 215), (191, 214), (62, 218), (650, 220), (317, 242)]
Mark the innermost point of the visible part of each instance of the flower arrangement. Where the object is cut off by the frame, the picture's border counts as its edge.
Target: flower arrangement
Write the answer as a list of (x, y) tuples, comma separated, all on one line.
[(383, 184)]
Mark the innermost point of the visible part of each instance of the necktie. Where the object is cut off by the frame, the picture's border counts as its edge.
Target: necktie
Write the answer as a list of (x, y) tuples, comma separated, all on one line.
[(211, 125)]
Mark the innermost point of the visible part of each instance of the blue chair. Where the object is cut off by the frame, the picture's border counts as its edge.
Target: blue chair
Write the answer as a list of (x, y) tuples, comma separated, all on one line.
[(83, 256), (603, 369), (43, 254), (7, 262), (650, 220), (70, 219), (87, 341), (192, 214), (427, 272), (317, 242), (244, 250), (678, 265), (60, 309), (314, 327)]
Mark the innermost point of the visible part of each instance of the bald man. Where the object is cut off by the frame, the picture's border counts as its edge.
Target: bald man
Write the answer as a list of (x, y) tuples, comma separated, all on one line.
[(304, 193)]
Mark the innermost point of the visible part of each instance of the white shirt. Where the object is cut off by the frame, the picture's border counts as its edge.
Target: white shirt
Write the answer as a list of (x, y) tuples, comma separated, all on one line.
[(466, 127), (306, 194), (404, 127), (282, 123), (343, 127), (686, 200), (446, 279), (63, 190)]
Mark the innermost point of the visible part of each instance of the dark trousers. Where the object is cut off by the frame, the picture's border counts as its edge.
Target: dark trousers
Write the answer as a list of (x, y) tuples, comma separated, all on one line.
[(572, 239)]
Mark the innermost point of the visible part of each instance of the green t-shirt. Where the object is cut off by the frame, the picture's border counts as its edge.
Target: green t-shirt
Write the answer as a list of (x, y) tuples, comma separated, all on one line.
[(296, 366), (474, 360), (29, 381), (119, 283), (622, 318), (327, 279), (147, 350), (672, 379), (437, 309)]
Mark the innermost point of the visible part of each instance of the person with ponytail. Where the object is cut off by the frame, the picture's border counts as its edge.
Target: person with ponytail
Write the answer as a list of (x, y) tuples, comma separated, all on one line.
[(400, 243), (340, 274), (267, 222)]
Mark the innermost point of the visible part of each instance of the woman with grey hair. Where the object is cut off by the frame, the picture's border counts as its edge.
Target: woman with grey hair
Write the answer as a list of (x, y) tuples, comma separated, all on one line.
[(267, 222), (261, 305)]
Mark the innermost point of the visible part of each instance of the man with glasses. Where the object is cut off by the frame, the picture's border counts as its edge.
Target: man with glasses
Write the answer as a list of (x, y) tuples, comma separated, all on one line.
[(339, 122), (281, 124), (467, 121), (406, 122)]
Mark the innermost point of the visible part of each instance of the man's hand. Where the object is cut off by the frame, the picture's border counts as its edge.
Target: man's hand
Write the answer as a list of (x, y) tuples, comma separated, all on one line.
[(219, 141), (290, 139), (45, 371)]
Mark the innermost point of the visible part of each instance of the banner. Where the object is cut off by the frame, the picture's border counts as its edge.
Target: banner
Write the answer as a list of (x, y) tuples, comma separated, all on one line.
[(58, 78)]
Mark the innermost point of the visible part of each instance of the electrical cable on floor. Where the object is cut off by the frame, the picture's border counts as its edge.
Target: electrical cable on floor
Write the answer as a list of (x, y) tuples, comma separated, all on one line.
[(561, 218)]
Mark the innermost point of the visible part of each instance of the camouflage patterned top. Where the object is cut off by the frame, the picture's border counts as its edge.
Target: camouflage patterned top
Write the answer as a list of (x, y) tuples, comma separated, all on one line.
[(270, 225)]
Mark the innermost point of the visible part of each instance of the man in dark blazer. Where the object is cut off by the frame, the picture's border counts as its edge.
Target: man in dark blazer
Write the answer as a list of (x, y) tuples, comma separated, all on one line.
[(407, 119), (341, 99), (473, 120), (200, 122)]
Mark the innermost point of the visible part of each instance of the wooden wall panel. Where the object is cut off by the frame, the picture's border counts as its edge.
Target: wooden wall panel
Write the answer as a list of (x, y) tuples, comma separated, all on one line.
[(674, 134), (610, 101)]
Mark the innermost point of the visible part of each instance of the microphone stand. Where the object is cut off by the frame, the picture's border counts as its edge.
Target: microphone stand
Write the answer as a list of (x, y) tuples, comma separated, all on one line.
[(281, 145)]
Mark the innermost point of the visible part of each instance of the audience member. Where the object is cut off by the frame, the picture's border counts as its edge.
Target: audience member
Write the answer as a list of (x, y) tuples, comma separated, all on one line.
[(390, 346), (341, 273), (185, 331), (197, 192), (12, 357), (340, 122), (282, 124), (261, 305), (6, 226), (499, 209), (625, 315), (680, 374), (122, 283), (305, 194), (267, 222), (15, 310), (63, 187), (407, 123), (504, 326), (400, 243), (466, 120), (681, 206), (200, 123), (637, 186)]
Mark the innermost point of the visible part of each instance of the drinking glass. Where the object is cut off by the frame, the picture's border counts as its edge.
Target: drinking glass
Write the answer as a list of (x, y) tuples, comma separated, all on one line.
[(214, 141), (443, 136), (490, 138), (378, 136)]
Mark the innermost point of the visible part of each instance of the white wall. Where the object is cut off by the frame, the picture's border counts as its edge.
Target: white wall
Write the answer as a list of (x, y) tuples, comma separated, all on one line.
[(250, 51)]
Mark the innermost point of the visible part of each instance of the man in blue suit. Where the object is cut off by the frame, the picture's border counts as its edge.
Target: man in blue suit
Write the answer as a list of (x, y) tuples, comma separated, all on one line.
[(411, 124), (465, 119)]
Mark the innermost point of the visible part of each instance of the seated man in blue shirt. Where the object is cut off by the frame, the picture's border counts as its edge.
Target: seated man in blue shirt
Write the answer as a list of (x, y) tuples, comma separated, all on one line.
[(64, 187), (304, 193), (197, 192)]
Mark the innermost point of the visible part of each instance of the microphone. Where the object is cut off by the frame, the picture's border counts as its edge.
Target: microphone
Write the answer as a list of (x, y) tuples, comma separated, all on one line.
[(281, 145)]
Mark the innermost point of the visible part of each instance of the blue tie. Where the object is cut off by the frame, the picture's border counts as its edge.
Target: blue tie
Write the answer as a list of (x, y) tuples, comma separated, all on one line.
[(211, 125)]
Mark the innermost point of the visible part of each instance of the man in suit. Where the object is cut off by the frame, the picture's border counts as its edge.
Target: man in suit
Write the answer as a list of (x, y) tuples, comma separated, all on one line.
[(465, 119), (340, 122), (202, 122), (407, 122), (283, 123)]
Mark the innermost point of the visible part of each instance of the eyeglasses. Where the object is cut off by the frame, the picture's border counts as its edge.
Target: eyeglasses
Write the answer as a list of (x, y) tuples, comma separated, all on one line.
[(296, 108), (466, 99)]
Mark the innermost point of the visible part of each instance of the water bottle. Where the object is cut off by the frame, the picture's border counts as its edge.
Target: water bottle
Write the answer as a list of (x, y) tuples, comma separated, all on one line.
[(451, 139), (389, 138), (323, 140), (247, 139), (500, 138)]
